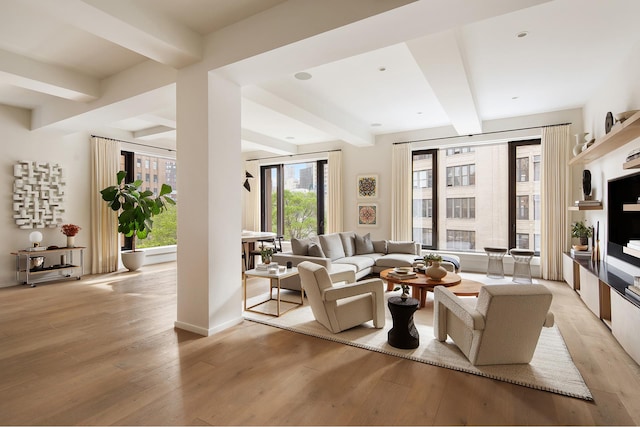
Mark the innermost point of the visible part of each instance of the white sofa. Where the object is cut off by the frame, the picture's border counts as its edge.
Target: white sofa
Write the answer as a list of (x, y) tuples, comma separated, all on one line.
[(347, 256)]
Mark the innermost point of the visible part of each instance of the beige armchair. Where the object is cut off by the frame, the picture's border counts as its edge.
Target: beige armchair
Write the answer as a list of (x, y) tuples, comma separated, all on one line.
[(502, 328), (342, 306)]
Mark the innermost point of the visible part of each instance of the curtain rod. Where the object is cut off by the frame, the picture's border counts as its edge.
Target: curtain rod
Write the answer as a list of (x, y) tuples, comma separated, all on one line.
[(479, 134), (135, 143), (291, 155)]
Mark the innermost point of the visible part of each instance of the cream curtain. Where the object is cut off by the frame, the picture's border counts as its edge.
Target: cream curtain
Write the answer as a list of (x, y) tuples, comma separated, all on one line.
[(105, 163), (252, 198), (334, 208), (554, 196), (401, 174)]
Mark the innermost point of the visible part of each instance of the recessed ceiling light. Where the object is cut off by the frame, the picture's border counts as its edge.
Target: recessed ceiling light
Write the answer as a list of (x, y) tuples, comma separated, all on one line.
[(522, 34), (382, 69), (303, 75), (290, 137), (514, 97), (419, 112), (375, 125)]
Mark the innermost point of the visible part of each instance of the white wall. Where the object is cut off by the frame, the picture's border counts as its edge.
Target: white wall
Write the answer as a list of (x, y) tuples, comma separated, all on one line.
[(72, 153), (620, 92)]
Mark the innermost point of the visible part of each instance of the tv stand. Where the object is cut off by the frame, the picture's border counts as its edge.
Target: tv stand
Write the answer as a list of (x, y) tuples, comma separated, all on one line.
[(601, 287)]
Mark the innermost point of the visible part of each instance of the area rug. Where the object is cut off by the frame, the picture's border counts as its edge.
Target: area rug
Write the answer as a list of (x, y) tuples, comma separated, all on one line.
[(551, 369)]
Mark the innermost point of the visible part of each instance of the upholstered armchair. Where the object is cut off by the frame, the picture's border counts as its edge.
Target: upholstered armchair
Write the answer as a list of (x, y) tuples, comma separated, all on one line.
[(342, 306), (502, 327)]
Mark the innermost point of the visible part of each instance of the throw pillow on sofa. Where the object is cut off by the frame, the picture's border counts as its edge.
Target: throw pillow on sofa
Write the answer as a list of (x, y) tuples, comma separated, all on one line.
[(316, 250), (364, 244), (301, 246), (332, 246), (401, 247), (348, 243)]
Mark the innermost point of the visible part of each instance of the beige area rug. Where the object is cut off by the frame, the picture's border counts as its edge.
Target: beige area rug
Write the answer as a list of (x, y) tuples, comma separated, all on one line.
[(551, 369)]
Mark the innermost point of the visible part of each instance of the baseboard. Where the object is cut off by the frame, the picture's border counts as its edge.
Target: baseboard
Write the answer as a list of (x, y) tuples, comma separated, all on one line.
[(204, 331)]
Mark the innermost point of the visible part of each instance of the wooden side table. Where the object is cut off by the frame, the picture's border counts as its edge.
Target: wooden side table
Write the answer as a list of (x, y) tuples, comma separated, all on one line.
[(404, 333)]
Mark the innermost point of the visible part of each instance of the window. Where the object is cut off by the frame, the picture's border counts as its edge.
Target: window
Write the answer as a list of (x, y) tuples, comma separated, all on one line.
[(522, 241), (483, 200), (461, 207), (422, 208), (523, 207), (294, 199), (155, 165), (146, 163), (522, 169), (425, 201), (155, 178), (146, 178), (164, 226), (462, 240), (461, 175), (423, 179)]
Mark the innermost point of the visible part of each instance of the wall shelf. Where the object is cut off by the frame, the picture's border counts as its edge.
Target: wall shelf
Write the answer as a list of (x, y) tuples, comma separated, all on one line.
[(585, 208), (632, 164), (631, 207), (630, 251), (616, 138)]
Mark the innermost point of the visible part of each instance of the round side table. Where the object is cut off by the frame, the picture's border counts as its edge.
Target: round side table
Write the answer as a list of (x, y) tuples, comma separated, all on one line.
[(404, 333), (495, 268), (522, 265)]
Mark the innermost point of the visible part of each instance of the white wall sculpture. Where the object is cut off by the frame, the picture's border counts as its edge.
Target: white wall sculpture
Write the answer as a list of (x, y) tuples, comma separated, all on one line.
[(38, 192)]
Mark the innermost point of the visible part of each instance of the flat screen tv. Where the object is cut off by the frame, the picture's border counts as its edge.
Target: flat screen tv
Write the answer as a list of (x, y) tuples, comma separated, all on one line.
[(623, 226)]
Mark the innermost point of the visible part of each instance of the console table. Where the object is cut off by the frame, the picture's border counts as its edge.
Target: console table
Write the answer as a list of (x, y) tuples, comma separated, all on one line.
[(67, 262), (602, 288)]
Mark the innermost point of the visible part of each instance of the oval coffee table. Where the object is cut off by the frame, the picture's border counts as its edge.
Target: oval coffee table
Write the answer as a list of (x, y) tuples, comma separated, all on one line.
[(422, 284)]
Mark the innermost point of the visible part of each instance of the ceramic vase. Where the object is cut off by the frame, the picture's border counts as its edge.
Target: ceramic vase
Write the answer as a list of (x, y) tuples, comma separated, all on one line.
[(435, 271), (580, 143), (71, 241)]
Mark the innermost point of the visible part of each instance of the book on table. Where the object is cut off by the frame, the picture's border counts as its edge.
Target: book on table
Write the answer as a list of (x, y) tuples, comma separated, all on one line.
[(396, 275)]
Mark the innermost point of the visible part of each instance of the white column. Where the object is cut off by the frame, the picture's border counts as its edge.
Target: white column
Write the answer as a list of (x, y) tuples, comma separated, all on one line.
[(209, 202)]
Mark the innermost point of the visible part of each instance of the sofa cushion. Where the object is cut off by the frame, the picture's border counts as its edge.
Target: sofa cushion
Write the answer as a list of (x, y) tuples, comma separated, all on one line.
[(380, 246), (348, 243), (395, 260), (332, 246), (361, 262), (401, 247), (364, 245), (316, 250), (301, 246)]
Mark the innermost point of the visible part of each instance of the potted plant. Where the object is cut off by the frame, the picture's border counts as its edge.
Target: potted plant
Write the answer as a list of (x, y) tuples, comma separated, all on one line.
[(137, 209), (266, 253), (434, 270), (580, 230)]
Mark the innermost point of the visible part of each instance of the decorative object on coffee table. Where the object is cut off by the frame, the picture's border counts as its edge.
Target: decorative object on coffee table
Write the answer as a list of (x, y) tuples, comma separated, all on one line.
[(435, 271), (404, 333)]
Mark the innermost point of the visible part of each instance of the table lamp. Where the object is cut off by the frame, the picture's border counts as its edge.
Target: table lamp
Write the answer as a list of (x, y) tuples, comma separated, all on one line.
[(35, 238)]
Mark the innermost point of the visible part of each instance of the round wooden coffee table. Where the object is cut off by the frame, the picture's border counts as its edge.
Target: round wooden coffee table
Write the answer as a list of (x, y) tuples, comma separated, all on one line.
[(422, 284)]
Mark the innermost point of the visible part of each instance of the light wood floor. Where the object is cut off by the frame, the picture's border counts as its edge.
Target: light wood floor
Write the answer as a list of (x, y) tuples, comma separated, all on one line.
[(103, 351)]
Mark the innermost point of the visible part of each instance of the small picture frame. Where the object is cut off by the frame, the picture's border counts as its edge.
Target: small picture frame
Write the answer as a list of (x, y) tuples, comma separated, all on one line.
[(367, 214), (367, 186)]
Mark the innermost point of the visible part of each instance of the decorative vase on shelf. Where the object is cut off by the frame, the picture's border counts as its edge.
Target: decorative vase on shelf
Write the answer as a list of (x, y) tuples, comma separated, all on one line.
[(435, 271), (71, 241), (580, 143)]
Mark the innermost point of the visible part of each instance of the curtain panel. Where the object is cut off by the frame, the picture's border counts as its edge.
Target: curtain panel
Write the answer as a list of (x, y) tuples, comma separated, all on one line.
[(554, 196), (334, 204), (401, 174), (105, 246)]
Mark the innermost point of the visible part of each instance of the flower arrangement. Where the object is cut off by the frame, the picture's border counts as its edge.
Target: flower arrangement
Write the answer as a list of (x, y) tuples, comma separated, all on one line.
[(70, 229), (432, 257)]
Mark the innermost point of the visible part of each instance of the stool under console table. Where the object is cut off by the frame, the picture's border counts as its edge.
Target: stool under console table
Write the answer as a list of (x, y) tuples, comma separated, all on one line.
[(602, 288), (59, 263)]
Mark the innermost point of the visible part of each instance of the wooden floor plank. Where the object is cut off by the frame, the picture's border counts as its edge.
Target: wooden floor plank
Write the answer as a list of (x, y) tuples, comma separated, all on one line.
[(103, 351)]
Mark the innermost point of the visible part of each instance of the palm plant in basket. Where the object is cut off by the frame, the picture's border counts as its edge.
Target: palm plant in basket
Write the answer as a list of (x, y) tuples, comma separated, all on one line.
[(137, 208)]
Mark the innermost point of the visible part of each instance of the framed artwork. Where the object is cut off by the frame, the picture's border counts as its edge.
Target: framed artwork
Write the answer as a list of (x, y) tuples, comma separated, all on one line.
[(38, 192), (367, 214), (367, 186)]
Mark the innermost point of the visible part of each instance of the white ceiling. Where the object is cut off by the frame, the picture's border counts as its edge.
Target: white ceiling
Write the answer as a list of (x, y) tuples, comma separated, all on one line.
[(66, 52)]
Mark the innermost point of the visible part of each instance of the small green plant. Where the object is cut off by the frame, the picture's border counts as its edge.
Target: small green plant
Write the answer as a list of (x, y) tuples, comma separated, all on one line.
[(579, 229), (266, 252), (432, 257)]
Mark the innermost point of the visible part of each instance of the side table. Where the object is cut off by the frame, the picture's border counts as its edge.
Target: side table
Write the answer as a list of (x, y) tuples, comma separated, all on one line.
[(403, 334), (274, 282)]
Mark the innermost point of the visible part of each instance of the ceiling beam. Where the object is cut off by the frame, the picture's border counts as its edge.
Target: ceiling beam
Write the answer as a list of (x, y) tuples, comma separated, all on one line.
[(153, 132), (145, 32), (442, 64), (53, 80), (267, 143), (328, 120)]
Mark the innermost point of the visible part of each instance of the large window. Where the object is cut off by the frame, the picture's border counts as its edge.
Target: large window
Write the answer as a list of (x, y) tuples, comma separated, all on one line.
[(294, 198), (489, 193), (165, 225)]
